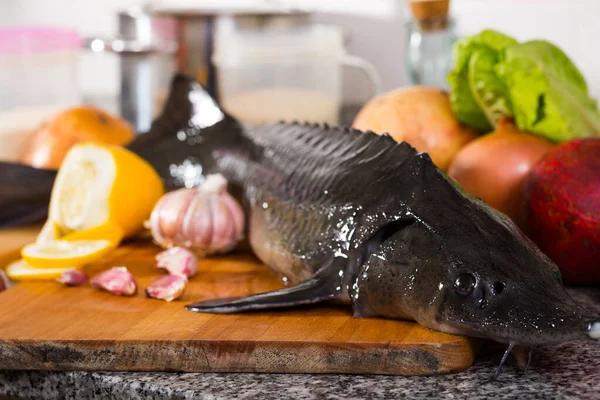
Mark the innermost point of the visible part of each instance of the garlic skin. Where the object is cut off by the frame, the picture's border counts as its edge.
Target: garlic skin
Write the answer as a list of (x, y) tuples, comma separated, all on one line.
[(167, 287), (73, 277), (178, 261), (5, 283), (117, 280), (206, 219)]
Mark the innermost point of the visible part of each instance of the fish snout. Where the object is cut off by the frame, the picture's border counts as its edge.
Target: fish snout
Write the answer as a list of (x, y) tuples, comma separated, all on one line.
[(550, 315), (515, 312), (545, 323)]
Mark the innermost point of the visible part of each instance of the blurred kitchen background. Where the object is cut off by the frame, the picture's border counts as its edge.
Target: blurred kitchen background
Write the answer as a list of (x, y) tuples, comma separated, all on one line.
[(70, 69), (375, 35)]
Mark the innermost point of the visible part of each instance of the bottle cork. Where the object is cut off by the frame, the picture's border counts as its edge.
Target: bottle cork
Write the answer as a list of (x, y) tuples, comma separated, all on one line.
[(430, 14)]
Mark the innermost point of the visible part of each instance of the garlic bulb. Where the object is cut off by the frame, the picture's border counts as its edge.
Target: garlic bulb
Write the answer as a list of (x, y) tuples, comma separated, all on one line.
[(206, 219)]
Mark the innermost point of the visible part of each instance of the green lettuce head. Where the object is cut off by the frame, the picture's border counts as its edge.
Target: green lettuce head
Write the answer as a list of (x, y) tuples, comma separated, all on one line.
[(534, 82)]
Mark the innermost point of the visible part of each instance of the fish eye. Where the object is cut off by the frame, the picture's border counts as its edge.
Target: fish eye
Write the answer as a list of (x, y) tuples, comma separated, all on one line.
[(465, 283)]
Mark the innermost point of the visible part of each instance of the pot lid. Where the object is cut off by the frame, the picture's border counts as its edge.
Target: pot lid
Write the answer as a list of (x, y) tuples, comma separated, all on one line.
[(379, 9)]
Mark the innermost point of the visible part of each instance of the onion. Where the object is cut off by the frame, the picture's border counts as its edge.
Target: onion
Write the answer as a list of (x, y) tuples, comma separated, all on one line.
[(494, 167), (206, 220), (47, 146), (420, 116)]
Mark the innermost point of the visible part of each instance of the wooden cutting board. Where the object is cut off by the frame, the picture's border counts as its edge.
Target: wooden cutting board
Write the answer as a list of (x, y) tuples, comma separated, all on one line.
[(44, 325)]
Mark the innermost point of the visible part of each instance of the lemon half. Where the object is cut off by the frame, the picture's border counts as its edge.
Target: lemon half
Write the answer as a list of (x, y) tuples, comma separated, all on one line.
[(101, 192)]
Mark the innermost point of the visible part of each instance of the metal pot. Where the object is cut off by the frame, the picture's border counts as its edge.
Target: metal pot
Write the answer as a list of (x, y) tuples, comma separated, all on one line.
[(147, 46), (155, 43)]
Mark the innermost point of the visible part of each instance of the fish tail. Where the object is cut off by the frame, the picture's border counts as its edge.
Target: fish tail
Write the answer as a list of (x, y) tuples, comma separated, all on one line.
[(184, 139)]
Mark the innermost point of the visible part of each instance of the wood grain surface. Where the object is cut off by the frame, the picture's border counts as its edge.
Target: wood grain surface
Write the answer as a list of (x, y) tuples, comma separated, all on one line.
[(11, 240), (44, 325)]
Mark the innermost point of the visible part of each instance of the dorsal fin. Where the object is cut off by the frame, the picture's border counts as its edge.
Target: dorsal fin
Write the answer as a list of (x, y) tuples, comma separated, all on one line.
[(317, 158)]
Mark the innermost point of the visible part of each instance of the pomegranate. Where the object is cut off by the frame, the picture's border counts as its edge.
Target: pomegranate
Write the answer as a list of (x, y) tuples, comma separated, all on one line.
[(562, 208)]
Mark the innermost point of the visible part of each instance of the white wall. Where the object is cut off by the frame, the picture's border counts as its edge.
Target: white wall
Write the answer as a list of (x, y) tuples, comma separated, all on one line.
[(572, 24)]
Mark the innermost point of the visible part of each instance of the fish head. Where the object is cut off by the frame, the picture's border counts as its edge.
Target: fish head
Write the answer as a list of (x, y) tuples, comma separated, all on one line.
[(502, 287), (484, 280)]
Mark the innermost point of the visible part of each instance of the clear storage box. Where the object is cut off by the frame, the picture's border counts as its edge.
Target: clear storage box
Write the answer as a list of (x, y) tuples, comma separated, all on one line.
[(38, 77)]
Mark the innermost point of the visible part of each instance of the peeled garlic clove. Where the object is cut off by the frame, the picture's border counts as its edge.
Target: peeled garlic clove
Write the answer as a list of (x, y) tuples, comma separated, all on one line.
[(167, 287), (73, 277), (117, 280), (178, 261)]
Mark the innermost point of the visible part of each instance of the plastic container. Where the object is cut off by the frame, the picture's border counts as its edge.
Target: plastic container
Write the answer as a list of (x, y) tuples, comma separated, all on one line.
[(290, 72), (38, 77)]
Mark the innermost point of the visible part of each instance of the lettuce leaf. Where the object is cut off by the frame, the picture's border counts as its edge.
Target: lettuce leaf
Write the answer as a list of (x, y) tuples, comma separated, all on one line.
[(488, 90), (549, 95), (485, 45)]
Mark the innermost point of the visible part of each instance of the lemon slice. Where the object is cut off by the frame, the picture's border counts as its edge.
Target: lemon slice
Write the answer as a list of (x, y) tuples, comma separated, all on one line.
[(101, 192), (21, 271), (109, 232), (63, 253)]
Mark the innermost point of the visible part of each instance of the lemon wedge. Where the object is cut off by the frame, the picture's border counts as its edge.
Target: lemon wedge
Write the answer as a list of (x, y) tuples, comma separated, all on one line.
[(21, 271), (64, 254), (101, 192)]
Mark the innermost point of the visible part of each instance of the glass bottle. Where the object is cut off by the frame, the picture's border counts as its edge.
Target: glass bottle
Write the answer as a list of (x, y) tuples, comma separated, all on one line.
[(430, 35)]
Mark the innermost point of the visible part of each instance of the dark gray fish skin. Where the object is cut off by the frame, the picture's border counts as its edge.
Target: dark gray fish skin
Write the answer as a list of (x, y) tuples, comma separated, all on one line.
[(24, 194)]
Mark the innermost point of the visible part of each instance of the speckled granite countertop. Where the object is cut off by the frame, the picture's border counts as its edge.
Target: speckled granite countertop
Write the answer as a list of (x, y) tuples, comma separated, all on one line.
[(566, 371)]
